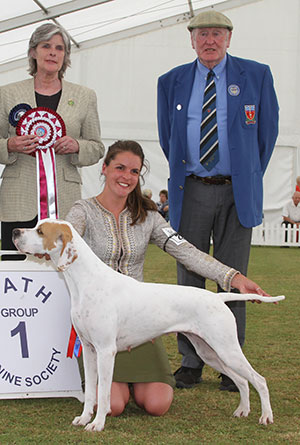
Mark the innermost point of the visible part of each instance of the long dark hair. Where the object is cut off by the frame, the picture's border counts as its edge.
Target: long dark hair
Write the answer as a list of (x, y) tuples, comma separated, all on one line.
[(137, 204)]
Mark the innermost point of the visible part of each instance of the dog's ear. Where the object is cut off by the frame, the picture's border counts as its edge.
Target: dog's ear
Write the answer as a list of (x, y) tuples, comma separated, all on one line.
[(68, 252)]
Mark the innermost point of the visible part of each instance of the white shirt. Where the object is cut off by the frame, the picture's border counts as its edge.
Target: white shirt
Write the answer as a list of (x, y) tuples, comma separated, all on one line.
[(291, 211)]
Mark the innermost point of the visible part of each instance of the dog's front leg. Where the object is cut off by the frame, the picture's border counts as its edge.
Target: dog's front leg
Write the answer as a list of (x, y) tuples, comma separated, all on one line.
[(105, 362), (90, 374)]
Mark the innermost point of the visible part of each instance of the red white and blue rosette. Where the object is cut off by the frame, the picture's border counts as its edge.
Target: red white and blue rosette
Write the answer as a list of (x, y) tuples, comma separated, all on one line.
[(44, 123), (48, 126)]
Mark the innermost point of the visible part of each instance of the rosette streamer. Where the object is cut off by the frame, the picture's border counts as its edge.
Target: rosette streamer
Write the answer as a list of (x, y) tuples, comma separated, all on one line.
[(48, 126)]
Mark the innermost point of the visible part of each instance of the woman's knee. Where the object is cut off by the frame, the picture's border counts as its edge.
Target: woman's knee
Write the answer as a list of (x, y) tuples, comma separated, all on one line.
[(155, 397), (119, 398), (117, 407), (157, 407)]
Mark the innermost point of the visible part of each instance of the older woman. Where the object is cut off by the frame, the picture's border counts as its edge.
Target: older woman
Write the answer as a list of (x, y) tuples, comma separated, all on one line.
[(49, 56)]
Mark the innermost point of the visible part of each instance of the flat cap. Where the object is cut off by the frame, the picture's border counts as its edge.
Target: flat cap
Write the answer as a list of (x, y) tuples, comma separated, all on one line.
[(210, 19)]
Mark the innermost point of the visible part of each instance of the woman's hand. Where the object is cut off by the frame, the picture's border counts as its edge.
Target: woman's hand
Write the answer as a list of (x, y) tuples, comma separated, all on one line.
[(22, 144), (66, 145), (246, 286)]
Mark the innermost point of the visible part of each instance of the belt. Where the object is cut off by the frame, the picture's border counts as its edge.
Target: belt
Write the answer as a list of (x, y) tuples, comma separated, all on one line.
[(212, 180)]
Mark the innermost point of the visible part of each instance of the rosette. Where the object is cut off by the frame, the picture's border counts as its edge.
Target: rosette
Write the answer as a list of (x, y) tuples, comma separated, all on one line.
[(48, 126), (17, 112), (44, 123)]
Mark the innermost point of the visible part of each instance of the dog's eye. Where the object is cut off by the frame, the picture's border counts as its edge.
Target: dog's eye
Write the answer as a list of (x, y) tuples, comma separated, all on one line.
[(39, 231)]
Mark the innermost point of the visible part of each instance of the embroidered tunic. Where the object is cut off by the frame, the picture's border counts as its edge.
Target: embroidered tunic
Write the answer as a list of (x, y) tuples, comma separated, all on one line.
[(124, 249)]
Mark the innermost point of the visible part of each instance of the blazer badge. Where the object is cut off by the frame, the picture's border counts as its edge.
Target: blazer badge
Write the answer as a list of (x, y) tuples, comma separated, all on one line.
[(250, 114), (234, 90)]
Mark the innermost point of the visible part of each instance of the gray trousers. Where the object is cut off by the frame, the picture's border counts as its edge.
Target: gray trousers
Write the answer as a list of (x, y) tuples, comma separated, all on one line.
[(209, 212)]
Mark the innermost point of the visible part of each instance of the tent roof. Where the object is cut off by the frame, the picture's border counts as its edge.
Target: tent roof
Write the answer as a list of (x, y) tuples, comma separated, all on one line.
[(87, 21)]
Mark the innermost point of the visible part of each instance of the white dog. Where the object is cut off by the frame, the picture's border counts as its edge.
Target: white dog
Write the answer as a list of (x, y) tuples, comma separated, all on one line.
[(112, 312)]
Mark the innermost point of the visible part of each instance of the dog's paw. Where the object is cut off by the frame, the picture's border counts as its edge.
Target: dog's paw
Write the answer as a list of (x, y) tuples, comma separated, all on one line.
[(266, 419), (81, 420), (241, 411), (94, 426)]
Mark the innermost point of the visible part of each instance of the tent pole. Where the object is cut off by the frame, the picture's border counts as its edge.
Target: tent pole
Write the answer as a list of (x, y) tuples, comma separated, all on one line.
[(45, 10), (191, 8)]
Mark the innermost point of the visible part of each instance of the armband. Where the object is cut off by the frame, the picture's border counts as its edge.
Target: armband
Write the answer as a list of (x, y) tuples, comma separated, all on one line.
[(171, 234)]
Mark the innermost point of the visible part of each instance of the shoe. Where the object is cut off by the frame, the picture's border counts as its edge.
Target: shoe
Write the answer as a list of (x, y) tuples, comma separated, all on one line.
[(227, 384), (187, 377)]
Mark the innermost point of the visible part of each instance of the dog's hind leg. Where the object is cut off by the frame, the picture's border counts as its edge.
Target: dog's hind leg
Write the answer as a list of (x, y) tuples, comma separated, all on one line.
[(90, 374), (259, 383), (105, 363), (210, 357), (237, 367), (236, 364)]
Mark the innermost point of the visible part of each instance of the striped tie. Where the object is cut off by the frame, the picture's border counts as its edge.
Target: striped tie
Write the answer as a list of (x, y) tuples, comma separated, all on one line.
[(209, 144)]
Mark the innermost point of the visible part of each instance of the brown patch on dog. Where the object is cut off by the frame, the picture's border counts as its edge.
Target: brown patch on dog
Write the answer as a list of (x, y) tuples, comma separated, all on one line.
[(51, 232)]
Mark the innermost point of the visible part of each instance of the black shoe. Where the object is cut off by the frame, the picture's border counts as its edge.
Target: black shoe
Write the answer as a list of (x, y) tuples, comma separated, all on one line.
[(187, 377), (227, 384)]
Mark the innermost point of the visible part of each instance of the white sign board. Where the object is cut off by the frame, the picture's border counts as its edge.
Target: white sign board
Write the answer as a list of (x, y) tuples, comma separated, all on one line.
[(35, 327)]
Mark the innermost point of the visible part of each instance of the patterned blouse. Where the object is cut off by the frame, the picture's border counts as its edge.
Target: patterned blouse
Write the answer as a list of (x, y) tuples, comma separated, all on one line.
[(123, 247)]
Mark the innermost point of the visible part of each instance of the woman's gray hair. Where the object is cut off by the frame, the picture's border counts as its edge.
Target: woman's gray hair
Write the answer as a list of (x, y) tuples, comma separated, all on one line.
[(42, 34)]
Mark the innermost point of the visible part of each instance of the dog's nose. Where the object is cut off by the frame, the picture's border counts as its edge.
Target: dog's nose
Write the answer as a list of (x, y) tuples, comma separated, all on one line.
[(16, 233)]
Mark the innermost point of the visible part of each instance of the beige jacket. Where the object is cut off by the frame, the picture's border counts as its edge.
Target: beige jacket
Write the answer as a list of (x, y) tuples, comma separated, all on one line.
[(18, 191)]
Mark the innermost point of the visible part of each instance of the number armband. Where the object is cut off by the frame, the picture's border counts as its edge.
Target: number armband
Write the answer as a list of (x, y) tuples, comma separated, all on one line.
[(173, 236)]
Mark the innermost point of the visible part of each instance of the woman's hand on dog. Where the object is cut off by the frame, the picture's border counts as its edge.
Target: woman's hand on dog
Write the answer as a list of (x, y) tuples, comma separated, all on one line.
[(246, 286)]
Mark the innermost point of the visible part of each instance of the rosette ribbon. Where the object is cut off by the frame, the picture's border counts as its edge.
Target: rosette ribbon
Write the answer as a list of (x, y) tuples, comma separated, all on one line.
[(74, 346), (48, 126)]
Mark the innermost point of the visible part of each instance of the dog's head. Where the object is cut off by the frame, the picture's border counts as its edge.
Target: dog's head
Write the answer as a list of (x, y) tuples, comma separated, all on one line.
[(51, 237)]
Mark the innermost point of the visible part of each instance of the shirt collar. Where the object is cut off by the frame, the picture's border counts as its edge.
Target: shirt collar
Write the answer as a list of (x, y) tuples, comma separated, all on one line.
[(218, 69)]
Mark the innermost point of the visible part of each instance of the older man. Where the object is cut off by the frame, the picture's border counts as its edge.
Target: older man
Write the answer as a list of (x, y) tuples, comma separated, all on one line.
[(291, 211), (218, 123)]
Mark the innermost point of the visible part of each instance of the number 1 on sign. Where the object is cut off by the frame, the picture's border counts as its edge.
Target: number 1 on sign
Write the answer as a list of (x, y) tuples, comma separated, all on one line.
[(21, 329)]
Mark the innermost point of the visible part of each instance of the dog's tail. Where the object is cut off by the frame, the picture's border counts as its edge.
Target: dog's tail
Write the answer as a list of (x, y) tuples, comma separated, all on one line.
[(230, 296)]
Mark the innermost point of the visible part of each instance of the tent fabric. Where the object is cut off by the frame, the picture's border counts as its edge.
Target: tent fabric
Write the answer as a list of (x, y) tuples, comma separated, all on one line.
[(124, 71), (86, 20)]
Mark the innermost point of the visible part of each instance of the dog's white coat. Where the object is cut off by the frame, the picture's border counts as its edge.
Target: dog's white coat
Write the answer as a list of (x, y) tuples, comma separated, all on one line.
[(112, 312)]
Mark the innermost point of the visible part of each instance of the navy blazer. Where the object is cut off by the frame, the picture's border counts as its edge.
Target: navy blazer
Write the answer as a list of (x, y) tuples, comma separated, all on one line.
[(251, 138)]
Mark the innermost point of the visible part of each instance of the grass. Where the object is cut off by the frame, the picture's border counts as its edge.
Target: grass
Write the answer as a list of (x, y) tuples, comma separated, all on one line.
[(202, 415)]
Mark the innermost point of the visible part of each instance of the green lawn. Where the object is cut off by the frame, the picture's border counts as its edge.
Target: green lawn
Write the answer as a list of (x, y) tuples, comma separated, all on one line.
[(202, 415)]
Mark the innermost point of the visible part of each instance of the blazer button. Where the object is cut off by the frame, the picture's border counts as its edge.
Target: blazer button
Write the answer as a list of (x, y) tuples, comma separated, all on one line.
[(181, 187), (183, 161)]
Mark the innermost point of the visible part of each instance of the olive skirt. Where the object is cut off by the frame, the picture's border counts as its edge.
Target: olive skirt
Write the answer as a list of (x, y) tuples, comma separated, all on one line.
[(144, 364)]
